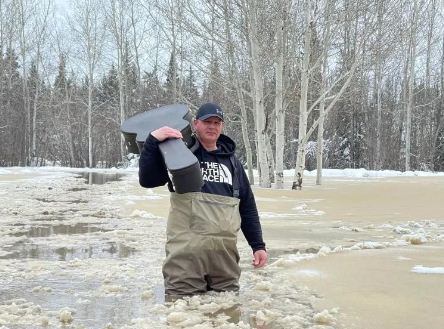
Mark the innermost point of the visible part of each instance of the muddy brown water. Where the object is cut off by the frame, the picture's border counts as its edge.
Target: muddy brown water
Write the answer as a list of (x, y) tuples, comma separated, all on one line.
[(347, 211), (372, 288)]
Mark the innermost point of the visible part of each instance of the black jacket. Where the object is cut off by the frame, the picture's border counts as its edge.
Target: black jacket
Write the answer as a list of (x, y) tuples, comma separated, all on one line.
[(218, 175)]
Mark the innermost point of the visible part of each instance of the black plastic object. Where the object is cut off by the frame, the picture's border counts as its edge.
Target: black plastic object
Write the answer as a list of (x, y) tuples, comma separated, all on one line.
[(137, 128), (183, 166), (179, 160)]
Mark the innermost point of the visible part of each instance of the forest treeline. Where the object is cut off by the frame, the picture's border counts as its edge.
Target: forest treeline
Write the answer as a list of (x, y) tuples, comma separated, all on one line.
[(304, 84)]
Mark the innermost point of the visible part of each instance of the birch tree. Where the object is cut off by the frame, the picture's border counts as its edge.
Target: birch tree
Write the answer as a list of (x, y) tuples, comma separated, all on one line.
[(171, 13), (234, 73), (300, 158), (378, 83), (343, 81), (411, 82), (40, 36), (324, 68), (281, 36), (89, 31), (251, 8), (119, 25), (24, 14)]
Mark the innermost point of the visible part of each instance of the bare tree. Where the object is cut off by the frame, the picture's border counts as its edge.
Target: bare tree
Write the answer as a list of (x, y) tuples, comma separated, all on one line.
[(25, 11), (281, 39), (89, 32), (119, 24), (251, 9), (305, 132), (41, 36), (234, 72), (300, 159), (324, 68), (411, 82)]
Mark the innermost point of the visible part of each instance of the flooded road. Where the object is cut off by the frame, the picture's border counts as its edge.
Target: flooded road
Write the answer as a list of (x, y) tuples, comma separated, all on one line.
[(380, 288), (85, 250)]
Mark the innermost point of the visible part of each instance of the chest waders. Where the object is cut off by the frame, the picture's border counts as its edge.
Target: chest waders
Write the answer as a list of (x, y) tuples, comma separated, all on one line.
[(201, 252)]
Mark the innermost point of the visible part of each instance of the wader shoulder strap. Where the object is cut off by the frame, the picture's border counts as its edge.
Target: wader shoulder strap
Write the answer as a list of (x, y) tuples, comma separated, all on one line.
[(236, 184), (170, 185)]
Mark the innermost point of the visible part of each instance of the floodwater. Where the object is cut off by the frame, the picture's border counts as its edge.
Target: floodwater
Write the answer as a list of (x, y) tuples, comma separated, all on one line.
[(85, 250)]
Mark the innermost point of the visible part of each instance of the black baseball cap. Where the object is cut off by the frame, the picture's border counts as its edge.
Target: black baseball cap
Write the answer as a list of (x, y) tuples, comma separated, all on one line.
[(209, 110)]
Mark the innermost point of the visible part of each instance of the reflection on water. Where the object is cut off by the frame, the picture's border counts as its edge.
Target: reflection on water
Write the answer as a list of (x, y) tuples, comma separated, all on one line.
[(47, 230), (34, 249), (77, 189), (70, 201), (23, 250), (99, 178)]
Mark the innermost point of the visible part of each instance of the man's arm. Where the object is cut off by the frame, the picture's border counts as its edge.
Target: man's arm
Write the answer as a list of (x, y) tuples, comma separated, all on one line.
[(250, 224), (152, 169)]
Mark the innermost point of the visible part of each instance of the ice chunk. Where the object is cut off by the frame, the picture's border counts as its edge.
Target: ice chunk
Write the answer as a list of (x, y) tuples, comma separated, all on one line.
[(427, 270), (324, 318), (65, 316)]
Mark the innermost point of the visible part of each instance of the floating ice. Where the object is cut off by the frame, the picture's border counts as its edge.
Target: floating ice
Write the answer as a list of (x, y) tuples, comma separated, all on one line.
[(65, 316), (415, 238), (402, 230), (324, 251), (427, 270), (324, 318), (309, 273), (143, 214)]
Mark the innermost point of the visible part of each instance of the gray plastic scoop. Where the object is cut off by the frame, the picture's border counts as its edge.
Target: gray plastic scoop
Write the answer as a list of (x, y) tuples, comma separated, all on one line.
[(179, 160)]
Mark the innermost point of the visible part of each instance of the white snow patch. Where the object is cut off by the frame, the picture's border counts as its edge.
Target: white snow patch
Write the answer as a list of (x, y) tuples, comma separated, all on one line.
[(427, 270)]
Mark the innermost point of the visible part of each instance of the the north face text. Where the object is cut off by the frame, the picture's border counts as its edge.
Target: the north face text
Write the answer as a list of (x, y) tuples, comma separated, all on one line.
[(216, 172)]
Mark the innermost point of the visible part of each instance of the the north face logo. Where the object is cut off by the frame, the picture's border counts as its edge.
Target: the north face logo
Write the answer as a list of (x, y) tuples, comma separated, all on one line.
[(216, 172)]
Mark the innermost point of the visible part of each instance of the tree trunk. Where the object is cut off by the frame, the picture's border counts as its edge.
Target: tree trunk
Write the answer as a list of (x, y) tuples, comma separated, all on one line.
[(258, 96), (34, 114), (300, 158), (320, 137), (429, 109), (378, 82), (279, 99), (25, 89), (90, 105), (234, 72), (411, 85)]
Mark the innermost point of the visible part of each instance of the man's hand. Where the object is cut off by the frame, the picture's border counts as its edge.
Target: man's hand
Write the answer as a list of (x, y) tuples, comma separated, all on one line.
[(260, 258), (166, 132)]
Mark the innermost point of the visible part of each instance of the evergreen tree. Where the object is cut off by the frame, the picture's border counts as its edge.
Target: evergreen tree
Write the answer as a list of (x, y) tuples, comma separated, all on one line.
[(172, 81), (108, 90), (190, 92), (213, 90), (13, 117), (60, 81), (153, 94)]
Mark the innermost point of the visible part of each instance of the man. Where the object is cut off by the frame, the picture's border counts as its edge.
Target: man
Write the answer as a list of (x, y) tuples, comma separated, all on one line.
[(201, 252)]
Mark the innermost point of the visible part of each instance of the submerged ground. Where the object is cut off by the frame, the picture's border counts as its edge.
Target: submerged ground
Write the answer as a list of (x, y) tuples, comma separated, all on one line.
[(85, 250)]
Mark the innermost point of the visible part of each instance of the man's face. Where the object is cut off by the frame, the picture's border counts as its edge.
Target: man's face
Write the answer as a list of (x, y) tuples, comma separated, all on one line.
[(209, 130)]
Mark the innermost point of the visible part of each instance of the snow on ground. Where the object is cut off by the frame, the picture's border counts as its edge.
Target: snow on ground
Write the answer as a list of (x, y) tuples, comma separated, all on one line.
[(79, 254)]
